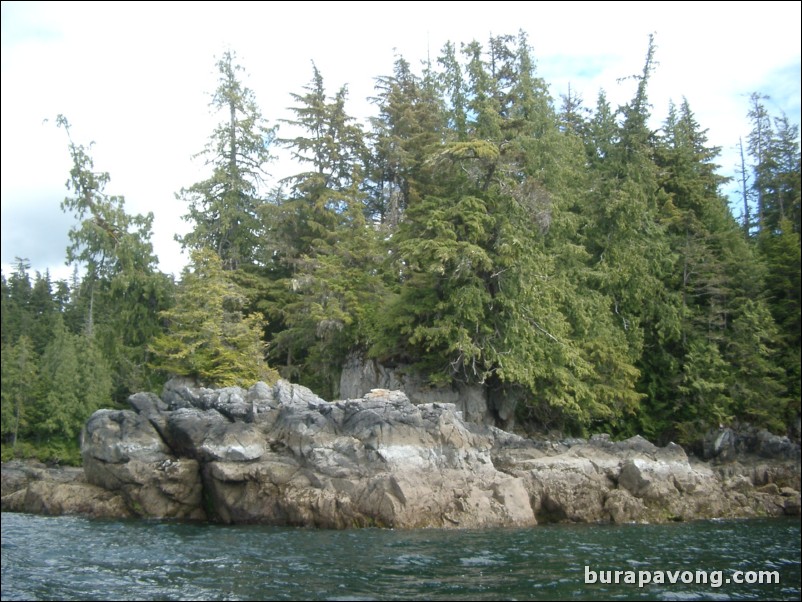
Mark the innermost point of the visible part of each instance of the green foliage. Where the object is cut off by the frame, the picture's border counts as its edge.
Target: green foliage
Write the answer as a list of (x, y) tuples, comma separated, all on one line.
[(575, 262), (19, 378), (208, 337), (224, 209), (117, 303), (56, 451), (410, 124), (756, 388), (75, 381), (17, 292), (322, 259)]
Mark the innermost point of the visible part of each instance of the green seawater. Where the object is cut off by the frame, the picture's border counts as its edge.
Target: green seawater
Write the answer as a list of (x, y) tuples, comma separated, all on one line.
[(71, 558)]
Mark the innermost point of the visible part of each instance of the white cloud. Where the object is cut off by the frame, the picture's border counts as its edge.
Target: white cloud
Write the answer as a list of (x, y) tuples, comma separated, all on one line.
[(136, 78)]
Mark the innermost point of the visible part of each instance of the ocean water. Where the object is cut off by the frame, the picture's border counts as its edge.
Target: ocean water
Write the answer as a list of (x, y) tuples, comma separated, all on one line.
[(72, 558)]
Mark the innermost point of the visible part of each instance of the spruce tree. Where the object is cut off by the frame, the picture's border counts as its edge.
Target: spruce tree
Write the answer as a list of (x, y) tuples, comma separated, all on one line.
[(60, 409), (410, 124), (318, 234)]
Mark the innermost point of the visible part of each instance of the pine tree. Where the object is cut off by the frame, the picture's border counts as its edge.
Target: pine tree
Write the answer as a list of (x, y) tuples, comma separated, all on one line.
[(759, 141)]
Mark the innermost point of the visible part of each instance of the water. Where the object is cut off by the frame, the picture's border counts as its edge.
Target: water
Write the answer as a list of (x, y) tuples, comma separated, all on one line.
[(73, 558)]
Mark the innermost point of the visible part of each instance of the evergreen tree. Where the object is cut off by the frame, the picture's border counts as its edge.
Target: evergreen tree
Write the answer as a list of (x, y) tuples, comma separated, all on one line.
[(43, 311), (710, 276), (208, 337), (573, 113), (788, 175), (307, 299), (409, 126), (5, 306), (627, 236), (60, 408), (488, 291), (452, 82), (94, 377), (122, 290), (577, 263), (775, 152), (19, 378), (757, 387), (17, 317), (224, 209)]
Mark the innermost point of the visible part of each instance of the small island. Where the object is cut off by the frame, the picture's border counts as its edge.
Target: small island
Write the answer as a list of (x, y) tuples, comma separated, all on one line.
[(526, 310)]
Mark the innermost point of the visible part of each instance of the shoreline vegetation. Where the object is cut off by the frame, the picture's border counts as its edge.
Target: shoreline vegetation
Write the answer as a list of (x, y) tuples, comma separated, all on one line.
[(511, 261)]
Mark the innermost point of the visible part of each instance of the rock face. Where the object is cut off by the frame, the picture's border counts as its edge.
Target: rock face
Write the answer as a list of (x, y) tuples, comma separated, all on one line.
[(360, 376), (35, 488), (635, 481), (281, 455)]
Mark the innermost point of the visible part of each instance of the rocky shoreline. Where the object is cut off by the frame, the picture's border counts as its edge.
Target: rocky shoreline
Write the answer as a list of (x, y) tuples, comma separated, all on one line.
[(281, 455)]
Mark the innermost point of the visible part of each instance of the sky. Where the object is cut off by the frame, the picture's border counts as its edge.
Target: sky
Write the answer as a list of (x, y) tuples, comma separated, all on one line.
[(135, 78)]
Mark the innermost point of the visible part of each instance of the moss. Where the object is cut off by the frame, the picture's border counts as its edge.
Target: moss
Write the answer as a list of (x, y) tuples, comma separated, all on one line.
[(136, 507)]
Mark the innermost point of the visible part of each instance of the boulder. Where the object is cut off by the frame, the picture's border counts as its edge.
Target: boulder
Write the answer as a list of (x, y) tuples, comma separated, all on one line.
[(359, 376), (378, 460), (283, 455)]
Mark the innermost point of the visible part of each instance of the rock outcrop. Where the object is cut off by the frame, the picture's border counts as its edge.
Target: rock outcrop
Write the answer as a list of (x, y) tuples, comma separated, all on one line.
[(38, 489), (634, 481), (281, 455), (360, 376)]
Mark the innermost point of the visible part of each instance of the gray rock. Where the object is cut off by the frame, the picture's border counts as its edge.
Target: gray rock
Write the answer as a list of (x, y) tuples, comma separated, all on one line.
[(29, 486), (282, 455), (124, 453), (54, 498), (728, 445), (118, 436), (776, 447), (359, 376)]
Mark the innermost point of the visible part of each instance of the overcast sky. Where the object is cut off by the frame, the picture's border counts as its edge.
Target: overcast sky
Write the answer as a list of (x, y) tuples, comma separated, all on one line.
[(135, 78)]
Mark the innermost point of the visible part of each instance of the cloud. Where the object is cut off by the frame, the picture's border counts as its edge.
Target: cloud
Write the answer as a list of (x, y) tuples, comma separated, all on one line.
[(35, 228), (136, 77)]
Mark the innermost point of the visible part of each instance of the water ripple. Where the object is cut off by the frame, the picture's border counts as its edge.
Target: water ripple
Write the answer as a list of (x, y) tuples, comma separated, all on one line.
[(73, 558)]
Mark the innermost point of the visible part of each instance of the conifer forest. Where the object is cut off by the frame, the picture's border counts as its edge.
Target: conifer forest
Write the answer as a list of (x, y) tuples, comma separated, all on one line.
[(563, 253)]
